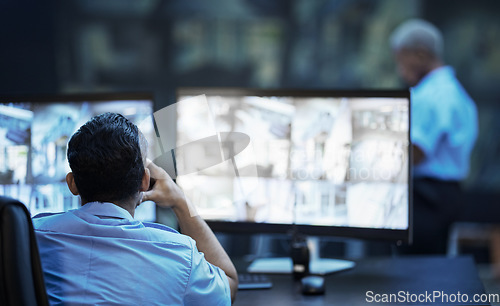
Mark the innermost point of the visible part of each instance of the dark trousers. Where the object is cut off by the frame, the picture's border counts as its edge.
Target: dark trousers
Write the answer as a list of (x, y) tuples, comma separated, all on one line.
[(436, 205)]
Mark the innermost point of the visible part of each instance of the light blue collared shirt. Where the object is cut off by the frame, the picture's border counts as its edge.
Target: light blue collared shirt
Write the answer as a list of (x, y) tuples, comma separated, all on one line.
[(99, 255), (444, 125)]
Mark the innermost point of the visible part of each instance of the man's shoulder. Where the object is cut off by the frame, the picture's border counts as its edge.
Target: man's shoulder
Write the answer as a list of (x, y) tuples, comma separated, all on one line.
[(67, 223), (160, 227), (440, 87), (163, 233), (43, 220)]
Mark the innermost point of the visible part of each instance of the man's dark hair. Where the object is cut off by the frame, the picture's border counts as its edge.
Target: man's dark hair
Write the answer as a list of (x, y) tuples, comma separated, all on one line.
[(105, 158)]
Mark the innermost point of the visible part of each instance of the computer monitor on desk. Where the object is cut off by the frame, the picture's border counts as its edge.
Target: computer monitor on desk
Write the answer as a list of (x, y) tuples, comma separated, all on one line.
[(34, 132), (321, 162)]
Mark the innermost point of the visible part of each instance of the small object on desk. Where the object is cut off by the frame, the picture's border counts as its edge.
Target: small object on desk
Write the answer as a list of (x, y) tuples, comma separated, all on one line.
[(253, 281), (313, 285)]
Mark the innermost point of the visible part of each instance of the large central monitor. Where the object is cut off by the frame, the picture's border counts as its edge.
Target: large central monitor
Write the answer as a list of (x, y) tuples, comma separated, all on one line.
[(323, 162)]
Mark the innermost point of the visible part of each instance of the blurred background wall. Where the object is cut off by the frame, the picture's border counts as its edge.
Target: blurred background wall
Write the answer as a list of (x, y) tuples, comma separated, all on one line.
[(71, 46)]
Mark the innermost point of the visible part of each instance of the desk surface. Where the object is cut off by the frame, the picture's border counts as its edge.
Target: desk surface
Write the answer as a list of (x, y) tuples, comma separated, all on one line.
[(412, 275)]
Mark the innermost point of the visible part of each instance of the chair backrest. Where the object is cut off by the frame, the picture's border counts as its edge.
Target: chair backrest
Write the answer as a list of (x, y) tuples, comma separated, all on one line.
[(21, 276)]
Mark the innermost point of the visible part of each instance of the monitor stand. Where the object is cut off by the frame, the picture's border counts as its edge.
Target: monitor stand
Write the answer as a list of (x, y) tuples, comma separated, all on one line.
[(284, 265)]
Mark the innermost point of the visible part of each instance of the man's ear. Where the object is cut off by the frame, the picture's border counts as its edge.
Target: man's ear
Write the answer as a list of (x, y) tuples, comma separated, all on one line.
[(70, 180), (145, 180)]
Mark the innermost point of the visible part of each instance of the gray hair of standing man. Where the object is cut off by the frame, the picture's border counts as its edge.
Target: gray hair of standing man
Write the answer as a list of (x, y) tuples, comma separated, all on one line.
[(417, 34)]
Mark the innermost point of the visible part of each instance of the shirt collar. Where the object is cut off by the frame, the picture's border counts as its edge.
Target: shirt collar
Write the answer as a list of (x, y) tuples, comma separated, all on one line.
[(436, 73), (105, 209)]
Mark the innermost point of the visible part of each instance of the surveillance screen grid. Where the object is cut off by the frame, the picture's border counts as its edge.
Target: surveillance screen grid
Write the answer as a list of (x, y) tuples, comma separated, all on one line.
[(339, 161)]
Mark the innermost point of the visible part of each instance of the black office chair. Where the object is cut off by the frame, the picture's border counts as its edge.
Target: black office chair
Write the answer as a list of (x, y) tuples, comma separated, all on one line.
[(21, 276)]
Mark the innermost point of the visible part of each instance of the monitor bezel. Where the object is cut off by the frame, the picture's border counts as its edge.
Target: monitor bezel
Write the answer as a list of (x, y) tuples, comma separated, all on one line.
[(393, 235)]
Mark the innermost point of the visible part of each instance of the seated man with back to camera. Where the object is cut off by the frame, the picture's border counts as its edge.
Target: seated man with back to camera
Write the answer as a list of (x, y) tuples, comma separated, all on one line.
[(99, 255)]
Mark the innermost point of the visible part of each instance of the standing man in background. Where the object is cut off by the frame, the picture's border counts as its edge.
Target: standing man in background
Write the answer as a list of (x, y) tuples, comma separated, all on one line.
[(443, 132)]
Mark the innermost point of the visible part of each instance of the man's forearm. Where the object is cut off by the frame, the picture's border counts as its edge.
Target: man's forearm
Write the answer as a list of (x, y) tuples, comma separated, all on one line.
[(165, 193), (197, 228)]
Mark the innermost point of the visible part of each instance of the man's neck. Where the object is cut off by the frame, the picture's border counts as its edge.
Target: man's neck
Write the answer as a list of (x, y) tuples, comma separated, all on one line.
[(435, 65), (128, 207), (428, 69), (129, 204)]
